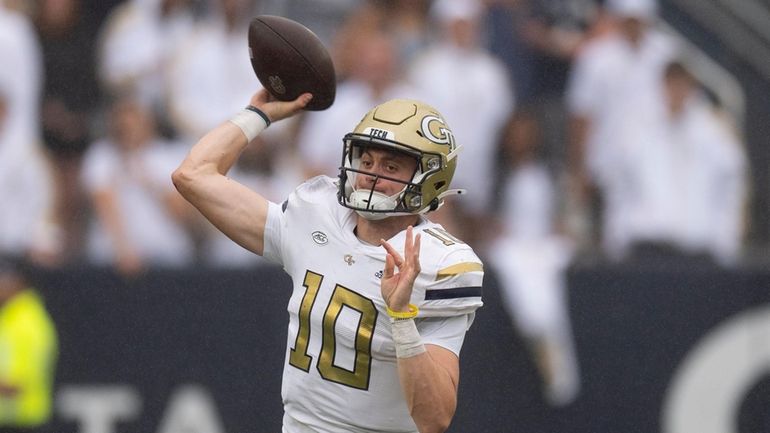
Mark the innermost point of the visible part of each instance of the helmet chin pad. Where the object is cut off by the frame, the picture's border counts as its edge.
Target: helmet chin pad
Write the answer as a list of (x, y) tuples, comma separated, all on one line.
[(373, 200)]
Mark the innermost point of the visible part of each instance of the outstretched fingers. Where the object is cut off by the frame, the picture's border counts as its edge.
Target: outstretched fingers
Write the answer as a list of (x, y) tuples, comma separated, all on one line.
[(389, 266), (397, 259), (411, 257), (397, 287), (412, 249), (415, 253)]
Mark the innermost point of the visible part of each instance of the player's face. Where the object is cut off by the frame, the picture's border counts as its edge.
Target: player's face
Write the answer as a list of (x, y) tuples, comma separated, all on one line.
[(382, 162)]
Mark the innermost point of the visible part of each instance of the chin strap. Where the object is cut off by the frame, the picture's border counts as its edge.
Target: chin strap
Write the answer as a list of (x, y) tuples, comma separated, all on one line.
[(452, 192), (439, 200)]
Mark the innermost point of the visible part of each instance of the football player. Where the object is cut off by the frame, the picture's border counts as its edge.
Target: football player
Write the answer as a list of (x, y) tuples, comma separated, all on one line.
[(382, 297)]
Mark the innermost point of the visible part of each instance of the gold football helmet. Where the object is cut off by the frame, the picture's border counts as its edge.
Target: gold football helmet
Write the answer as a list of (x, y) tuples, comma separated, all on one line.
[(411, 128)]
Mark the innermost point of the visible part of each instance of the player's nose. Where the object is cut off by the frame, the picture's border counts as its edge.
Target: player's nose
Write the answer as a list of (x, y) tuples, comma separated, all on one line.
[(373, 178)]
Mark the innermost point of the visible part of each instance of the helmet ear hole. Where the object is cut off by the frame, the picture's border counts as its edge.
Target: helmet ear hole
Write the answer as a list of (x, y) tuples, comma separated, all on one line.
[(439, 185)]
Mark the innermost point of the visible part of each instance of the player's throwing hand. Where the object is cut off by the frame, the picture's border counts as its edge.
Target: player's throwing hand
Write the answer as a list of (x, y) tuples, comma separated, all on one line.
[(397, 287), (275, 109)]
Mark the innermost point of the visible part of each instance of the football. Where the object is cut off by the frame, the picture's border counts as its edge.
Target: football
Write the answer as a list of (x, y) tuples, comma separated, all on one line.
[(289, 60)]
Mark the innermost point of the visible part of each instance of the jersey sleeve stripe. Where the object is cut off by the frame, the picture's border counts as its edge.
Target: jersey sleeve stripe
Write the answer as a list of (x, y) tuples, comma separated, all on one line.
[(459, 268), (457, 292)]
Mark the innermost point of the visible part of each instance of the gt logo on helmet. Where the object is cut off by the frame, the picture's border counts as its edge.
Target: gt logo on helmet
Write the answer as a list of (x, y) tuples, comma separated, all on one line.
[(445, 135)]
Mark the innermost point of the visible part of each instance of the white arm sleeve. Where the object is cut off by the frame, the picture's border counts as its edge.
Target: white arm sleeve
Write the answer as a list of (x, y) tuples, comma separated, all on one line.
[(447, 332)]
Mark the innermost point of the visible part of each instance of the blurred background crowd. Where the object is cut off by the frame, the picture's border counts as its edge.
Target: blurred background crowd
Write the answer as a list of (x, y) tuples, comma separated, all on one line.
[(583, 123), (592, 132)]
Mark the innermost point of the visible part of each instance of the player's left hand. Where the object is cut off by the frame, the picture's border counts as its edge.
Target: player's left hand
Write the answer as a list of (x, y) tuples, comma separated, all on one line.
[(396, 287)]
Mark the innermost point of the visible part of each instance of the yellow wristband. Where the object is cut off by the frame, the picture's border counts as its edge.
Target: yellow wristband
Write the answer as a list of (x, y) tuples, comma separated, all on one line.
[(411, 314)]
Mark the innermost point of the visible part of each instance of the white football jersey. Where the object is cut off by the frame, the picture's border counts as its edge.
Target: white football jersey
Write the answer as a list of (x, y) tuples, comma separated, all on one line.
[(341, 373)]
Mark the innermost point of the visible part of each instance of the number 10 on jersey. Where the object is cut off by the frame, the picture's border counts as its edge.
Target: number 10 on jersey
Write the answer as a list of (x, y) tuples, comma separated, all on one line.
[(341, 297)]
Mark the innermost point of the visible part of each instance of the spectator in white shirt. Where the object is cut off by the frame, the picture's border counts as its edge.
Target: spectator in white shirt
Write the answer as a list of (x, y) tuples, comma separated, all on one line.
[(140, 221), (615, 101), (137, 42), (22, 74), (684, 194), (28, 226), (530, 258)]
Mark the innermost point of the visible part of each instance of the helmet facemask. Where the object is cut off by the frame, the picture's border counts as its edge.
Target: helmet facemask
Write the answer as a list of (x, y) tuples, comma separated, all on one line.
[(372, 204)]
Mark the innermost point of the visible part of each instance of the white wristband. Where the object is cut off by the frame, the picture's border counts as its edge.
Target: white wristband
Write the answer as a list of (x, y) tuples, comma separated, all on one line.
[(407, 339), (251, 121)]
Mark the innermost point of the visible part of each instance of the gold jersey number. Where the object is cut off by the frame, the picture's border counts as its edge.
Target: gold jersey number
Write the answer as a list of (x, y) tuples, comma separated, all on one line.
[(342, 297)]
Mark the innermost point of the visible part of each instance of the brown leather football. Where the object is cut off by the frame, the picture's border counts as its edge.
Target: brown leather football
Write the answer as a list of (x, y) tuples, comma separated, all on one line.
[(289, 60)]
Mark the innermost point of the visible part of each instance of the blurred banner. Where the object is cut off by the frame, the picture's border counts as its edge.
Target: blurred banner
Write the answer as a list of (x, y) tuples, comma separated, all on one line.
[(661, 349)]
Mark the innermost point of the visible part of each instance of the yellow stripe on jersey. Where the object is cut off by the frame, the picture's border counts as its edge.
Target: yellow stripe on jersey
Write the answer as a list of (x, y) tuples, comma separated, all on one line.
[(459, 268)]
